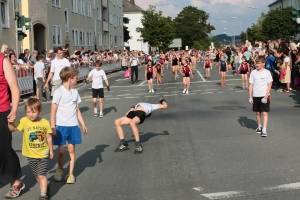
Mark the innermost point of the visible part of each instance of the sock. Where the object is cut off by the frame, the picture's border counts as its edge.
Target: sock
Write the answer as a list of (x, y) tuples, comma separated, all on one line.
[(43, 194), (101, 112), (95, 110), (264, 129), (138, 143), (259, 125), (122, 141)]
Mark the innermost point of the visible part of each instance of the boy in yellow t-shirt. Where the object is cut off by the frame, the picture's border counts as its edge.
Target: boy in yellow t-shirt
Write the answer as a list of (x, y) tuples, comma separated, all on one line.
[(37, 142)]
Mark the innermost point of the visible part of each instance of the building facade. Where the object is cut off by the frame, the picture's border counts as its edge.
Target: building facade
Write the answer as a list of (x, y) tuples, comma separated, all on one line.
[(92, 24)]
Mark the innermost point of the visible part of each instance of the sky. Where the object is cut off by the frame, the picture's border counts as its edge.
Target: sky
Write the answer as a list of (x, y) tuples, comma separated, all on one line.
[(220, 12)]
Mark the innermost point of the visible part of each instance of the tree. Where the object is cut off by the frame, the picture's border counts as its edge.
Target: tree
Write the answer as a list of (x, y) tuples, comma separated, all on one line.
[(217, 43), (126, 33), (191, 25), (278, 24), (157, 29)]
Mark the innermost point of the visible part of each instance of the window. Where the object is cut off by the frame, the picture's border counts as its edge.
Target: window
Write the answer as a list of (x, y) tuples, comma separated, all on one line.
[(111, 41), (114, 2), (99, 13), (94, 4), (74, 6), (105, 39), (56, 36), (95, 26), (75, 37), (88, 9), (83, 7), (120, 3), (89, 38), (115, 20), (82, 38), (66, 21), (80, 7), (56, 3), (100, 39), (111, 18), (120, 21), (4, 14)]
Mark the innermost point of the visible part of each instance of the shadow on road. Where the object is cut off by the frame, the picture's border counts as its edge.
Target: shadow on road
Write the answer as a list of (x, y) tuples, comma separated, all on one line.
[(84, 109), (145, 137), (248, 123), (108, 110)]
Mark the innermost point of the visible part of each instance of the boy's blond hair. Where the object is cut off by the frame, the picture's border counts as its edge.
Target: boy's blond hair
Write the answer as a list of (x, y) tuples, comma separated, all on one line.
[(261, 59), (68, 72), (33, 104)]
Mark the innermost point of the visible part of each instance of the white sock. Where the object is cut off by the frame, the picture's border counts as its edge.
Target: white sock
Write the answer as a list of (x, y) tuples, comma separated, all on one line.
[(259, 125), (264, 129), (95, 110), (101, 112)]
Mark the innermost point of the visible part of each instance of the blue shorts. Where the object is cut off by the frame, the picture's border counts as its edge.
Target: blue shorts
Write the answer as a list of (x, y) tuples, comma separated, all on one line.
[(72, 134)]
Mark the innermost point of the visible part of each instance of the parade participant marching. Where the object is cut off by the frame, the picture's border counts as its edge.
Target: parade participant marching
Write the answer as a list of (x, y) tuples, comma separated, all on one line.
[(64, 117), (158, 69), (259, 93), (98, 75), (207, 66), (186, 71), (244, 70), (223, 67), (175, 61), (37, 142), (136, 115), (149, 75)]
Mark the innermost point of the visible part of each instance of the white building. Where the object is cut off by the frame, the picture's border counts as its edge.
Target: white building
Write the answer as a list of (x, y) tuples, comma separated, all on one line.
[(134, 14)]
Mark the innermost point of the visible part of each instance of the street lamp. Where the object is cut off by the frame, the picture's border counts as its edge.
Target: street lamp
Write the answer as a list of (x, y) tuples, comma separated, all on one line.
[(236, 18), (252, 7)]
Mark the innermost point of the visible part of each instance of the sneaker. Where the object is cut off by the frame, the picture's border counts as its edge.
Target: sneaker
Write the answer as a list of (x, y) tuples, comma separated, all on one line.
[(95, 114), (15, 190), (187, 92), (184, 90), (101, 115), (70, 179), (263, 134), (138, 149), (43, 197), (280, 90), (58, 175), (121, 147), (258, 130), (152, 91)]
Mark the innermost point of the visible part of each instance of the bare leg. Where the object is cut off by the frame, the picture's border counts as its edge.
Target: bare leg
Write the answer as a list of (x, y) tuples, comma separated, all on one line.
[(258, 118), (266, 116), (134, 128), (60, 156), (71, 150), (119, 122)]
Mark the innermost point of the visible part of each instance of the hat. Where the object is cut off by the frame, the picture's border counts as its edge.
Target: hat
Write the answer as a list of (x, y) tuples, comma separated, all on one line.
[(298, 45), (293, 46)]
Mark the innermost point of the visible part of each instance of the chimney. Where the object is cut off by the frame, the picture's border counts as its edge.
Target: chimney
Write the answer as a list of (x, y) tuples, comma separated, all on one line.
[(132, 2)]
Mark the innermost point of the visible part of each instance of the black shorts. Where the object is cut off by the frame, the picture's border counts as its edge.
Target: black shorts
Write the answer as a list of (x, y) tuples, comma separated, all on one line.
[(258, 106), (98, 93), (223, 69), (149, 76), (137, 113), (187, 75), (38, 166), (207, 66), (243, 72)]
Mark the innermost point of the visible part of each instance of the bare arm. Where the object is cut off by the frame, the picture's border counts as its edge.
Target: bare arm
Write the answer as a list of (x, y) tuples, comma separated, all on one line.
[(268, 90), (11, 127), (250, 90), (80, 119), (48, 79), (52, 118), (50, 144), (11, 79)]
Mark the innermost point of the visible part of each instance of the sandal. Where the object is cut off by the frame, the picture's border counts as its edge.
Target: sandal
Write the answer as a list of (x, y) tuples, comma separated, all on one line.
[(286, 91)]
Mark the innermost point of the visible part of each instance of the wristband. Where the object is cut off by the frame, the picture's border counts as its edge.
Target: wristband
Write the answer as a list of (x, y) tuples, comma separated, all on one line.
[(162, 100)]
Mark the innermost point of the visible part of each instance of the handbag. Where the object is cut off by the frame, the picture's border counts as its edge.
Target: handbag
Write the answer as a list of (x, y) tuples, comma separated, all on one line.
[(127, 73)]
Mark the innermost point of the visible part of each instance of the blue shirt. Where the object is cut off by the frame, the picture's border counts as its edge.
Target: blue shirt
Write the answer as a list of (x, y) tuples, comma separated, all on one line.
[(270, 60), (38, 67)]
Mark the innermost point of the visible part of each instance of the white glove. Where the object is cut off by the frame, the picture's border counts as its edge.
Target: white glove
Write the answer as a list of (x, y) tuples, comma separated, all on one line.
[(250, 100), (264, 100)]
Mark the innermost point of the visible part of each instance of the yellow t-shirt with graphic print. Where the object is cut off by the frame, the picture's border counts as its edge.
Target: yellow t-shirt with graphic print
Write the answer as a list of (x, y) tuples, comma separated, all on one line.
[(34, 143)]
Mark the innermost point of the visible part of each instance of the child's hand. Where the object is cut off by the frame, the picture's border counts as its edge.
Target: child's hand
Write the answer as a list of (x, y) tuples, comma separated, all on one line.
[(11, 118), (53, 133), (84, 130), (51, 154)]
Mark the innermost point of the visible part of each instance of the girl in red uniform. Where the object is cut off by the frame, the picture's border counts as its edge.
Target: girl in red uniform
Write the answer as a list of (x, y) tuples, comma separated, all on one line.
[(207, 66), (185, 70), (244, 70), (149, 75), (158, 73)]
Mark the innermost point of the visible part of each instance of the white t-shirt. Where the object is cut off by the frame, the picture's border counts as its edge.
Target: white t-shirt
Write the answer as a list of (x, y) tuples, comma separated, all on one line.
[(98, 77), (66, 101), (57, 65), (148, 107), (287, 59), (134, 61), (38, 67), (260, 82)]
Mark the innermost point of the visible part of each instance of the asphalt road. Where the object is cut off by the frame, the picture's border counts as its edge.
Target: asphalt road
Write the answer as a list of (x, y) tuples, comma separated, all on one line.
[(204, 146)]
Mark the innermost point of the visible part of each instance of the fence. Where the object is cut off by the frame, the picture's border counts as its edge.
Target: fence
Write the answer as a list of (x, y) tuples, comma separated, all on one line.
[(25, 77)]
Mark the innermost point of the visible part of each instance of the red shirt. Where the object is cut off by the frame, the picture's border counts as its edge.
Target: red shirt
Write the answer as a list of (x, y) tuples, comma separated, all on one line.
[(149, 69), (186, 69), (4, 95)]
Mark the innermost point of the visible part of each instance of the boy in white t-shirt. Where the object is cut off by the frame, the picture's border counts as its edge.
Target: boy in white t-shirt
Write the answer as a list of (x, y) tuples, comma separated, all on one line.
[(136, 115), (98, 75), (259, 93), (64, 118)]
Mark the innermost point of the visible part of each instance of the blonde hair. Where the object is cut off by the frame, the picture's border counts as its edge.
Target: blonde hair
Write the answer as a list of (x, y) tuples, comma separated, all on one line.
[(4, 46), (33, 104), (68, 72)]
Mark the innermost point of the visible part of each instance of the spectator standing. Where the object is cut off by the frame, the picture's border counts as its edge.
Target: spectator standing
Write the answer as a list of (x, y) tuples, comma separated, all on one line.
[(10, 169), (57, 64), (134, 63), (39, 77)]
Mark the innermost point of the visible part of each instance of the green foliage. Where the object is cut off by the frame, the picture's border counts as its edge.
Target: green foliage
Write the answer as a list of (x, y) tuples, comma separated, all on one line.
[(191, 25), (202, 44), (216, 42), (157, 29)]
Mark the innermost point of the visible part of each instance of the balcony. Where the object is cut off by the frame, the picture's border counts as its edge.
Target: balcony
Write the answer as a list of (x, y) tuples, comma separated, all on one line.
[(104, 3), (105, 26)]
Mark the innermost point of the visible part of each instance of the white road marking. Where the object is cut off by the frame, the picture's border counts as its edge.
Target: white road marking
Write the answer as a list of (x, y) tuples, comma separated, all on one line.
[(124, 90), (139, 89), (142, 83), (223, 195), (196, 90), (121, 95), (201, 85), (201, 76), (189, 94), (221, 92), (200, 189), (207, 92), (240, 91), (132, 97), (112, 98), (161, 92), (169, 87), (152, 96)]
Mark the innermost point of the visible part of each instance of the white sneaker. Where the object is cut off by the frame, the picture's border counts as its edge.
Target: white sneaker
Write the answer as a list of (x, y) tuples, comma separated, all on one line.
[(152, 91), (187, 92), (184, 90), (101, 115)]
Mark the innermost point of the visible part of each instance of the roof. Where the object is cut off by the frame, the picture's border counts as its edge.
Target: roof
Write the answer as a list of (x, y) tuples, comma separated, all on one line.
[(129, 7), (278, 1)]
